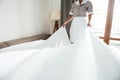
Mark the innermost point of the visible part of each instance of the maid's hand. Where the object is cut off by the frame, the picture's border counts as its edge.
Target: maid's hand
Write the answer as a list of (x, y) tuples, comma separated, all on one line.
[(64, 24)]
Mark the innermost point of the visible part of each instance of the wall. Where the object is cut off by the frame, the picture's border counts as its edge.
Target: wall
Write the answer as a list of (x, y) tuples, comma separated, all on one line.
[(21, 18)]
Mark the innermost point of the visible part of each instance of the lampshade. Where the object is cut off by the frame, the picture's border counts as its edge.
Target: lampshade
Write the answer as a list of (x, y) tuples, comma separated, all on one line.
[(55, 15)]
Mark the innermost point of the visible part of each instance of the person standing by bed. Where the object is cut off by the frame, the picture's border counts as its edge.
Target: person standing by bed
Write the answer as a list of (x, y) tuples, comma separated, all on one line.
[(78, 14)]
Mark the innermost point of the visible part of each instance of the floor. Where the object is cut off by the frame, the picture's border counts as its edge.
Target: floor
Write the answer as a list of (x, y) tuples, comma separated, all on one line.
[(115, 43)]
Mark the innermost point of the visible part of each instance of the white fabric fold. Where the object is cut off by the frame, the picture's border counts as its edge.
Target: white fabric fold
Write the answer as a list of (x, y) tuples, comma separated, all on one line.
[(57, 59)]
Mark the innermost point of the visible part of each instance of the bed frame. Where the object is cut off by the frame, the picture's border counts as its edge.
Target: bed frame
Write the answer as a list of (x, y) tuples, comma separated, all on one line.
[(23, 40)]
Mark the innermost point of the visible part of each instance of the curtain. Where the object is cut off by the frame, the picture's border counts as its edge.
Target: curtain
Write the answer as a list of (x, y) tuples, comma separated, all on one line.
[(65, 8)]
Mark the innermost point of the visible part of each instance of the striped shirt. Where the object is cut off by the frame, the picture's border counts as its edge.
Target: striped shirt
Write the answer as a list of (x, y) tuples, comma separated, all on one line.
[(81, 10)]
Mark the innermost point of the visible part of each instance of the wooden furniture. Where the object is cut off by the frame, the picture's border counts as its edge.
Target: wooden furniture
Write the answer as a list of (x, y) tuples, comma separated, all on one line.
[(23, 40), (56, 26), (109, 21)]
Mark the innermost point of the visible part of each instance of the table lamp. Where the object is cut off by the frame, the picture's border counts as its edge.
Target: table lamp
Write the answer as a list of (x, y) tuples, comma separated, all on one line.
[(55, 16)]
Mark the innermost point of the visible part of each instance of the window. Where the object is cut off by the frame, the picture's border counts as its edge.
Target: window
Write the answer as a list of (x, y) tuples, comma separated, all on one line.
[(99, 16), (115, 32)]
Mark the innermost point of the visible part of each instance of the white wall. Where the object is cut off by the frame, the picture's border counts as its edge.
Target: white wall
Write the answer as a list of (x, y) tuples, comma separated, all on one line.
[(21, 18), (54, 4)]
